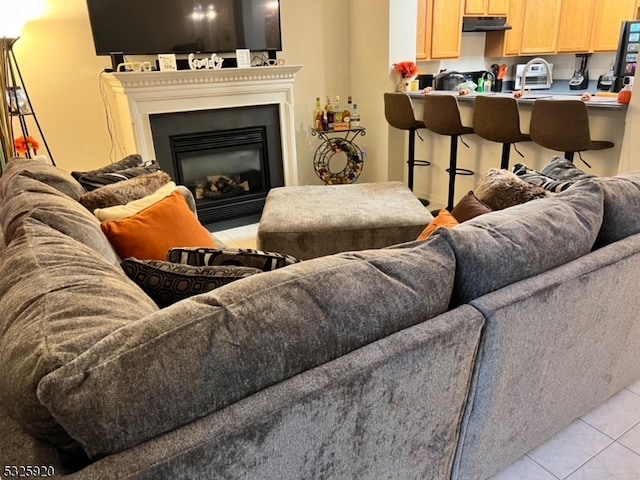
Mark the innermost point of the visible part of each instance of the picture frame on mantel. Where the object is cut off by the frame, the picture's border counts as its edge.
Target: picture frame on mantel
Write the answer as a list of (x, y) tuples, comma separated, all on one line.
[(243, 57), (167, 62)]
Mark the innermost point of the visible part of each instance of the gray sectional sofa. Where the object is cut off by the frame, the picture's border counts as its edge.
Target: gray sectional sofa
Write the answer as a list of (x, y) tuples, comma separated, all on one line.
[(445, 358)]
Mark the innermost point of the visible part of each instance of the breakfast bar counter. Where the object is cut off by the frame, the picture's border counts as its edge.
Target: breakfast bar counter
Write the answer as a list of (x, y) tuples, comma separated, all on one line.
[(606, 122)]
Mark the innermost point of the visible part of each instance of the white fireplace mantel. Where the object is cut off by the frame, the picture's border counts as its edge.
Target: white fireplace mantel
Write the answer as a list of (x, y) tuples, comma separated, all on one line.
[(139, 95)]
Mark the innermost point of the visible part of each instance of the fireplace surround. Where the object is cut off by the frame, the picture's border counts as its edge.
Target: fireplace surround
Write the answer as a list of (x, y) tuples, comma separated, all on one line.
[(210, 99)]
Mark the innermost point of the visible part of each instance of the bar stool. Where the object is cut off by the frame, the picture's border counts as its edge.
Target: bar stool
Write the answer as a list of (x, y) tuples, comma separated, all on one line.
[(442, 116), (497, 119), (563, 125), (399, 114)]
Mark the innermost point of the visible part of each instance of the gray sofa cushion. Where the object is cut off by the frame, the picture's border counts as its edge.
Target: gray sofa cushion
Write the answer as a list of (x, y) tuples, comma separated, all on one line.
[(58, 298), (503, 247), (209, 351), (38, 170), (621, 207), (30, 198)]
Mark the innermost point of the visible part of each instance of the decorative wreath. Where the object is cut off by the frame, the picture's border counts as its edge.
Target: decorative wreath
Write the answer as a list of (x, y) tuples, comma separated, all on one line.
[(327, 151)]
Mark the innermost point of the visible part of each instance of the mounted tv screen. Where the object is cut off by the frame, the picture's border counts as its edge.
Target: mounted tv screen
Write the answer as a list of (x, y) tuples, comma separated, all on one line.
[(141, 27)]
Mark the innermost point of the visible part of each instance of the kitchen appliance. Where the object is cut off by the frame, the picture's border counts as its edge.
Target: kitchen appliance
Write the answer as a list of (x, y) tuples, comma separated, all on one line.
[(627, 54), (485, 24), (537, 76), (448, 80), (580, 79), (605, 81)]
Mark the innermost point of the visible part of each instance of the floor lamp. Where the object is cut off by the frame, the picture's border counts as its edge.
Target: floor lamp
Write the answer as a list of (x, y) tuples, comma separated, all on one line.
[(16, 101)]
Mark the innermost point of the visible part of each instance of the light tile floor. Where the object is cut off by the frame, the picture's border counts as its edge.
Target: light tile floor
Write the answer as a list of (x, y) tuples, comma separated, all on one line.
[(602, 445)]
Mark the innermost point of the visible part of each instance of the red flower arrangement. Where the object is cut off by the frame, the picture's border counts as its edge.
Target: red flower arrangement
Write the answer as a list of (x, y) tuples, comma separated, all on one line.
[(22, 144), (407, 69)]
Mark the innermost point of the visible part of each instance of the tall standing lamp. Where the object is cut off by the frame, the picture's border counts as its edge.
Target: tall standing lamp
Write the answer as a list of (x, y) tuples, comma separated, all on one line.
[(14, 98)]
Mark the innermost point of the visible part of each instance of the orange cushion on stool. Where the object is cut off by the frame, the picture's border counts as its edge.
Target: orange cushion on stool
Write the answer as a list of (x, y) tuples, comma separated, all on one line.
[(150, 233)]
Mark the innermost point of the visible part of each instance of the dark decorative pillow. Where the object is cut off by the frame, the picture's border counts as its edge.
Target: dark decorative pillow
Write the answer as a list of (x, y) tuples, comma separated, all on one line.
[(469, 207), (129, 161), (167, 283), (560, 168), (125, 191), (93, 181), (536, 178), (500, 189), (265, 261)]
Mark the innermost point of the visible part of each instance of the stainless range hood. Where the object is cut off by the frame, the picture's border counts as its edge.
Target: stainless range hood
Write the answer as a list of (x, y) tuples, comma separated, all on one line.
[(484, 24)]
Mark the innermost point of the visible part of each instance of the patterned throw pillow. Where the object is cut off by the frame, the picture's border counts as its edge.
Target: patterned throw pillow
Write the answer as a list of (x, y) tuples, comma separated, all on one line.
[(265, 261), (93, 181), (537, 178), (559, 168), (167, 283), (125, 191), (129, 161)]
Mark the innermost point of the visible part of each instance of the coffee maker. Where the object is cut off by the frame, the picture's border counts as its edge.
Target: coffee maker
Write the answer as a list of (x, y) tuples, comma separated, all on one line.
[(580, 79)]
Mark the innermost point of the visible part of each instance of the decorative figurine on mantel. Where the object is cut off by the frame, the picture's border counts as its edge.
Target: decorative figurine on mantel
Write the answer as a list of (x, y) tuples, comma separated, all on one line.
[(213, 63)]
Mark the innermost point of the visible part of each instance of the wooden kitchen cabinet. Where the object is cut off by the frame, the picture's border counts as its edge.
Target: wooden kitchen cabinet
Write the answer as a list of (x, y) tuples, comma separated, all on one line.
[(423, 40), (439, 29), (537, 35), (486, 7), (609, 15), (540, 32), (576, 26)]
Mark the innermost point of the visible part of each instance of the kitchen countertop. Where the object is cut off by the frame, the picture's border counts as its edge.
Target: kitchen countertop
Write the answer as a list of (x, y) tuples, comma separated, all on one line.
[(558, 93)]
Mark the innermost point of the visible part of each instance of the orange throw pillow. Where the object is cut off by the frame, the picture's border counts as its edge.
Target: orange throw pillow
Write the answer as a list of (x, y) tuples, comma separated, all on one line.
[(149, 234), (444, 219)]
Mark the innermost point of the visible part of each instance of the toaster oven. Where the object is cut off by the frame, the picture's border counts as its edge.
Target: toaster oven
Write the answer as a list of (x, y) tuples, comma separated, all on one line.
[(537, 76)]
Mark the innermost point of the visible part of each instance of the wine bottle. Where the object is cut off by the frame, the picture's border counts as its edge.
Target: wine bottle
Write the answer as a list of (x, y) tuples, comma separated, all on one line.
[(317, 116)]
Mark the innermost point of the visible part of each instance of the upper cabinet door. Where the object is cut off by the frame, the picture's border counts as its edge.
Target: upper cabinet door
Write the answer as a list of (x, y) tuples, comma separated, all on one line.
[(475, 7), (423, 40), (540, 26), (609, 15), (498, 7), (576, 25), (439, 29), (447, 28), (486, 7)]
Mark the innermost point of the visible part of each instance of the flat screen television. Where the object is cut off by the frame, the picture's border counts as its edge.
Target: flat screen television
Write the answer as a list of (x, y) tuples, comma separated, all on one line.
[(149, 27)]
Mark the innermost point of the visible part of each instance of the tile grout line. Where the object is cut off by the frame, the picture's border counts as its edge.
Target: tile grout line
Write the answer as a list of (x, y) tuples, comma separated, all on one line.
[(543, 467)]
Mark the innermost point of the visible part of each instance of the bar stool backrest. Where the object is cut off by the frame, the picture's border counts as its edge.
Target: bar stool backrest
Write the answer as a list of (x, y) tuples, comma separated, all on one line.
[(398, 111), (442, 115), (497, 119), (561, 125)]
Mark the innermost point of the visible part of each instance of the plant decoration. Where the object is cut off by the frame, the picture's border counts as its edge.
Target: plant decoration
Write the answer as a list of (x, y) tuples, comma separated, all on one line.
[(406, 69), (24, 145)]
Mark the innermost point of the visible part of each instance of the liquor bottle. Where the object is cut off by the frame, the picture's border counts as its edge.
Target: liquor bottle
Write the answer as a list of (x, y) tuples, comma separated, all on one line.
[(355, 116), (337, 109), (328, 106), (346, 114), (317, 116), (325, 121), (330, 119)]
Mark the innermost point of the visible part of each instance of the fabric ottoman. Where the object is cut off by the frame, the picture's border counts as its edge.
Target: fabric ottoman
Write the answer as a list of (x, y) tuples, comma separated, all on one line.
[(315, 220)]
